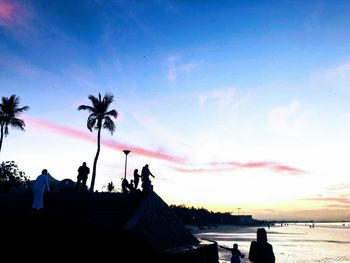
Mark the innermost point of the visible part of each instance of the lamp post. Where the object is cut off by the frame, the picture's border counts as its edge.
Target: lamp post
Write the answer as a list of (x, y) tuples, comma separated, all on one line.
[(126, 159)]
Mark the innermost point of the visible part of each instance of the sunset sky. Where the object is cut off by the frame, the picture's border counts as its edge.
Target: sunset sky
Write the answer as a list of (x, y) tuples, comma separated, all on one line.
[(233, 104)]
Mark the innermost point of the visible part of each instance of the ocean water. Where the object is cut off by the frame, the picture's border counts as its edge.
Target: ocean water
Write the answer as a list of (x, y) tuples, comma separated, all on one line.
[(292, 243)]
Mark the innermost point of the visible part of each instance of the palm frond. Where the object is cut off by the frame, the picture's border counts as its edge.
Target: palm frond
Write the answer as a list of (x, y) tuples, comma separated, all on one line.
[(113, 113), (108, 99), (91, 121), (17, 123), (86, 107), (19, 110), (95, 102), (109, 124)]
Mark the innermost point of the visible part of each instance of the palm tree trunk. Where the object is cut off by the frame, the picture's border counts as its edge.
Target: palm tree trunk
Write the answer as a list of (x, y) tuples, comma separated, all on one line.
[(1, 135), (95, 160)]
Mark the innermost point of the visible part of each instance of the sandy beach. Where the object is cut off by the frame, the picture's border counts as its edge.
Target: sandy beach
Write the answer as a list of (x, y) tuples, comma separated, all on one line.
[(294, 243)]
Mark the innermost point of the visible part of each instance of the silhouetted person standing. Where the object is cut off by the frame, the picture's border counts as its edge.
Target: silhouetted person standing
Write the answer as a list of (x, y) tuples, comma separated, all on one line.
[(40, 185), (236, 254), (136, 178), (146, 182), (83, 172), (125, 186), (260, 250)]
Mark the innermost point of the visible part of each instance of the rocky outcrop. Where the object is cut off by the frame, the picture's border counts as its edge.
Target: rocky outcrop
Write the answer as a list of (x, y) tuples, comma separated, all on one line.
[(129, 227)]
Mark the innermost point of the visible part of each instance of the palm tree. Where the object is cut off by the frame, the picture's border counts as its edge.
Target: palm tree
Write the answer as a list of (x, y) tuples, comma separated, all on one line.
[(100, 117), (110, 186), (8, 115)]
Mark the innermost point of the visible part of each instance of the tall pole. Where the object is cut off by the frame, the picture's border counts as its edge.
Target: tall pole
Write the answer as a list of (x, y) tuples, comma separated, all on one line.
[(126, 159)]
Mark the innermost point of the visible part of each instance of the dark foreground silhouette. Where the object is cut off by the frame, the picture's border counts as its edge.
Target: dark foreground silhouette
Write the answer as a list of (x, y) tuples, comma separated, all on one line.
[(136, 227)]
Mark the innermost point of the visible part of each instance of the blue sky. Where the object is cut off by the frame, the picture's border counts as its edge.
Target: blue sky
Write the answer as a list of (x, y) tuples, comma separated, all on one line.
[(232, 104)]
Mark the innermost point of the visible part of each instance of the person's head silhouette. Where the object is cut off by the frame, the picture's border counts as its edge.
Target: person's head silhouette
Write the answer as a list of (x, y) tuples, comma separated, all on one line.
[(44, 171), (261, 236)]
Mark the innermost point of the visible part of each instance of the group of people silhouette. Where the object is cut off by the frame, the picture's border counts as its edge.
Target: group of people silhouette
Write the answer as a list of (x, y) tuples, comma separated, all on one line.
[(146, 184), (127, 187), (41, 184), (260, 251)]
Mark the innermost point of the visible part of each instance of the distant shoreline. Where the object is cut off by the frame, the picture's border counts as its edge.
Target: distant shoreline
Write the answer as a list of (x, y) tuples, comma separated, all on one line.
[(305, 221)]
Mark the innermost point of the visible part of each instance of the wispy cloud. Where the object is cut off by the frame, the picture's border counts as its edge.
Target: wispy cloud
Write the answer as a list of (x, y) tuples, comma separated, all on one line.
[(13, 15), (67, 131), (287, 120), (144, 116), (229, 166), (343, 200), (7, 13), (185, 166), (336, 78), (223, 97), (340, 206), (175, 69), (333, 195), (21, 67)]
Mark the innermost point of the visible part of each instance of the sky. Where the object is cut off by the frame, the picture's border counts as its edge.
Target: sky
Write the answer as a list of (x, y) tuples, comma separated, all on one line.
[(237, 106)]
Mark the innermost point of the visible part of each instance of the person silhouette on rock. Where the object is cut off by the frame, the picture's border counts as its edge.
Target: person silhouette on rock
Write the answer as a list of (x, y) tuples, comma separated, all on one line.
[(136, 178), (146, 182)]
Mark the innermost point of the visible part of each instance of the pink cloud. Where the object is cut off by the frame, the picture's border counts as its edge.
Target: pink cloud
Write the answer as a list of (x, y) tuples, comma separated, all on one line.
[(14, 16), (282, 168), (210, 167), (193, 170), (345, 206), (276, 167), (6, 10), (342, 200), (227, 166), (67, 131)]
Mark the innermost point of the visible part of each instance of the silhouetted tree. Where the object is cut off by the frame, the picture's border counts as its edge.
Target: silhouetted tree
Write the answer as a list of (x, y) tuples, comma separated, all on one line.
[(203, 217), (8, 116), (10, 176), (100, 117), (110, 186)]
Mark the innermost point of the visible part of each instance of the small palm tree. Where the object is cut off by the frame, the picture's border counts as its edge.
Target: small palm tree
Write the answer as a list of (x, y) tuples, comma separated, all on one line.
[(100, 117), (110, 186), (8, 116)]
